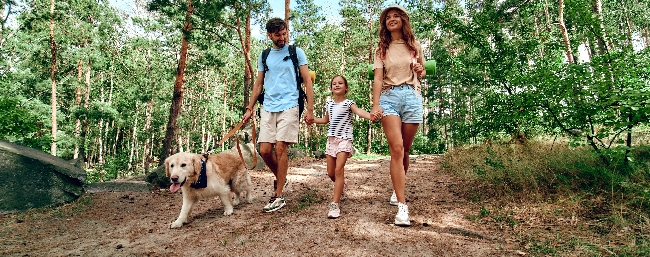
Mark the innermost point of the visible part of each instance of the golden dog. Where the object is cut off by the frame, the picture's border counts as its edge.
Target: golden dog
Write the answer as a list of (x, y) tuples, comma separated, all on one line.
[(225, 174)]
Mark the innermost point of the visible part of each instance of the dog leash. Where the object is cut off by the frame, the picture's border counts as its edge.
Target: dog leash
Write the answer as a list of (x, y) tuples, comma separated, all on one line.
[(232, 132)]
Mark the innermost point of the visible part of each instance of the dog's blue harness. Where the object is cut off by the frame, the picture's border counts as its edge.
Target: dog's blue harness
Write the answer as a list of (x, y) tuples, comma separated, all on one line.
[(202, 182)]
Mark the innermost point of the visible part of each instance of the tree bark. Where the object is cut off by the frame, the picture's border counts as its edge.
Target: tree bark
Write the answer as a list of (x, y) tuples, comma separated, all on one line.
[(565, 34), (225, 102), (245, 41), (100, 140), (53, 79), (146, 159), (177, 99), (147, 142), (84, 123), (287, 13), (647, 38), (603, 45), (77, 125), (134, 139)]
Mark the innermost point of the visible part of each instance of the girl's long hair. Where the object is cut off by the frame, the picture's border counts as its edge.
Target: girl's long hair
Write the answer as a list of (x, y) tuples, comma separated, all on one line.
[(385, 37)]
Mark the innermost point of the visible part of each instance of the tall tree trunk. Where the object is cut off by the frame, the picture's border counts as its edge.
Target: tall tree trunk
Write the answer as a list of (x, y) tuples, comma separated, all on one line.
[(245, 41), (287, 13), (225, 102), (146, 159), (628, 140), (77, 125), (179, 84), (647, 38), (100, 140), (565, 34), (134, 139), (247, 55), (147, 142), (603, 44), (84, 123), (628, 34), (53, 79)]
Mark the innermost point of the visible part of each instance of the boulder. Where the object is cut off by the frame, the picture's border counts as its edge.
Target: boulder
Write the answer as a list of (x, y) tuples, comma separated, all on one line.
[(158, 177), (318, 154), (246, 150), (295, 153), (34, 179)]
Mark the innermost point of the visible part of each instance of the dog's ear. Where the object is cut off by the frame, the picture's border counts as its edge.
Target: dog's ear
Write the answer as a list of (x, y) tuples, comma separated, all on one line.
[(197, 164), (167, 166)]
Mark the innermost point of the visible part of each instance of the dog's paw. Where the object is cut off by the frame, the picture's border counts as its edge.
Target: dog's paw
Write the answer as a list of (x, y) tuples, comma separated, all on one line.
[(176, 224), (227, 212)]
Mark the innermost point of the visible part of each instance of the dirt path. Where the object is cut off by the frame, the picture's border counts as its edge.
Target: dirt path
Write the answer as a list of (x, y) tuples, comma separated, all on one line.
[(137, 224)]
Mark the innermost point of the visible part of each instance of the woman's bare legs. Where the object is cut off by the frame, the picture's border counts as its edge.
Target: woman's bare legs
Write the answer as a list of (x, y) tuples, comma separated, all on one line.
[(400, 139)]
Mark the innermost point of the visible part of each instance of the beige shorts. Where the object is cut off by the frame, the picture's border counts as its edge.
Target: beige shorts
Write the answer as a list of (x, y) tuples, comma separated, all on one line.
[(279, 126)]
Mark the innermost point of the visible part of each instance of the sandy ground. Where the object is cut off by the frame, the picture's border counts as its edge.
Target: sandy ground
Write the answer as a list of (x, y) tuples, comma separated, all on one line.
[(137, 224)]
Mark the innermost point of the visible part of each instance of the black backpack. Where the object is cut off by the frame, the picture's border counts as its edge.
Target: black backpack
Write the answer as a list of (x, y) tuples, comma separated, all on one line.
[(294, 58)]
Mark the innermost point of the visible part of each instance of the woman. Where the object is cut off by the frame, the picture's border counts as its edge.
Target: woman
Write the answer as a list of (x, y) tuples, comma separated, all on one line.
[(398, 68)]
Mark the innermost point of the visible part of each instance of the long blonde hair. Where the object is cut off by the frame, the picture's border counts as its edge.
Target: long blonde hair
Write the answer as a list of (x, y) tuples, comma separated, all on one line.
[(385, 37)]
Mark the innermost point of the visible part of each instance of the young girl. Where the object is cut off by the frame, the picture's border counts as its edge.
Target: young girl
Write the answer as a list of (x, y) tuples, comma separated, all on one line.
[(398, 69), (339, 137)]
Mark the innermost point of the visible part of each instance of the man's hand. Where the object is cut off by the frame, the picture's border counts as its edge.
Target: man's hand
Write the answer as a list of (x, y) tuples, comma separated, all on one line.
[(247, 115), (309, 117)]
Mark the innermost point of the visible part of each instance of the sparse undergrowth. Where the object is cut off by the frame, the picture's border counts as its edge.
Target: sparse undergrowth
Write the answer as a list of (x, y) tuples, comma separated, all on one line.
[(567, 190)]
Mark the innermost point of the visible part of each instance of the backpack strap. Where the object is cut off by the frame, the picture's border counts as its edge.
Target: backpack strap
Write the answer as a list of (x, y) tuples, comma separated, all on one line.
[(296, 68), (265, 55)]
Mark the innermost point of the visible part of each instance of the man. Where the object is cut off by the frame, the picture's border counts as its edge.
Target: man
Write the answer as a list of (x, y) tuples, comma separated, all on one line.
[(280, 119)]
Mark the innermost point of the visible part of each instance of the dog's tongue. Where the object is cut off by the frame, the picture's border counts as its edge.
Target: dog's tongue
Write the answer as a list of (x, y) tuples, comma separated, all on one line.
[(174, 187)]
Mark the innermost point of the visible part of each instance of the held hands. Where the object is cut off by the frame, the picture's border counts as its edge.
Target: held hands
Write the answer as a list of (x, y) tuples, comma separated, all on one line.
[(309, 117), (376, 113)]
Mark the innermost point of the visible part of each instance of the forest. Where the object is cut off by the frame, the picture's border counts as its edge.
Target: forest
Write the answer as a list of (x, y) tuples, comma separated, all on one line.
[(83, 79)]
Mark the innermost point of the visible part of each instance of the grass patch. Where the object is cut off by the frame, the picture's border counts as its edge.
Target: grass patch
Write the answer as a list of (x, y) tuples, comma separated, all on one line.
[(307, 200), (596, 200), (363, 156)]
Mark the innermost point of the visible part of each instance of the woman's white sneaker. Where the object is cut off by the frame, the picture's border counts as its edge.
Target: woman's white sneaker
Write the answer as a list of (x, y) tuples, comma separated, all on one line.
[(334, 211), (393, 199), (402, 217)]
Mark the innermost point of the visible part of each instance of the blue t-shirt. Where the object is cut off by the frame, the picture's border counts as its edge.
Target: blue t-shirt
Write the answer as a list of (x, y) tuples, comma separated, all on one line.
[(280, 90)]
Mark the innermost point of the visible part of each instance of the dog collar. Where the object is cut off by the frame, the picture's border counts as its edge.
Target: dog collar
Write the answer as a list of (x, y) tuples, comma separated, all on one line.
[(202, 182)]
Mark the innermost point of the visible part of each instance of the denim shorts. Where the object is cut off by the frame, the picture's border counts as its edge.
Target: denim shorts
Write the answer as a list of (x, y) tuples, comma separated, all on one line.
[(402, 101)]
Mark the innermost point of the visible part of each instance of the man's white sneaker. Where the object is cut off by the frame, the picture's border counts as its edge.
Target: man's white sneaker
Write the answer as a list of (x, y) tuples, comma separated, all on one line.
[(275, 203), (402, 217), (393, 199)]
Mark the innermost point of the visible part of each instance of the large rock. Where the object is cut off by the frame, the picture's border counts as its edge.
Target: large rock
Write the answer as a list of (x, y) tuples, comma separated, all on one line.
[(158, 177), (247, 153), (33, 179)]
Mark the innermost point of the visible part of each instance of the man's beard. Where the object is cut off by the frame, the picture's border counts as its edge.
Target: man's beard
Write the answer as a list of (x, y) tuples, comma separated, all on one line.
[(277, 43)]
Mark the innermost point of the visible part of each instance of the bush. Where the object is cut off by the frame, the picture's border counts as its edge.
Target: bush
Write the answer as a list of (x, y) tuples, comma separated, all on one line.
[(541, 171)]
